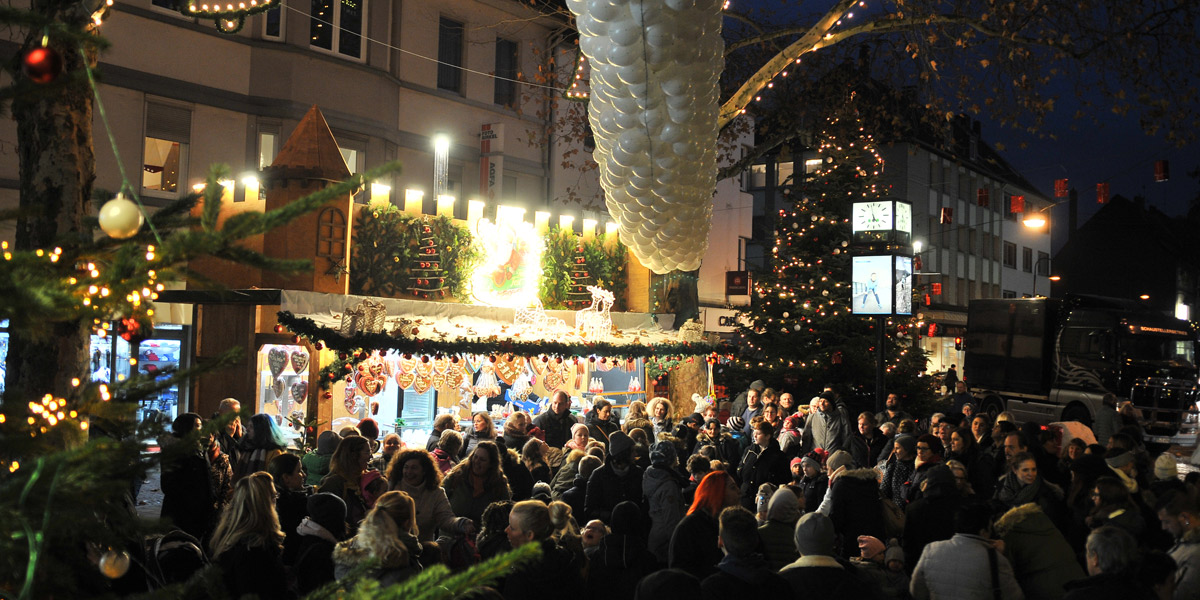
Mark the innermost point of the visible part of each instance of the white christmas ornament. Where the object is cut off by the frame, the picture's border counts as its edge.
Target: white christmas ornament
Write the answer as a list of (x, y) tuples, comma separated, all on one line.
[(653, 111), (120, 218)]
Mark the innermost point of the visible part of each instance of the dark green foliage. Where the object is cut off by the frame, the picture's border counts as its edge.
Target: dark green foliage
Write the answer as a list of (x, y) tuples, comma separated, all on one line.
[(606, 258), (386, 244)]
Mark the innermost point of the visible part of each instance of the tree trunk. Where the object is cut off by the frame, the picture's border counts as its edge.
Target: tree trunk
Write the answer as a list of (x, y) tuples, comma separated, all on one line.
[(57, 170)]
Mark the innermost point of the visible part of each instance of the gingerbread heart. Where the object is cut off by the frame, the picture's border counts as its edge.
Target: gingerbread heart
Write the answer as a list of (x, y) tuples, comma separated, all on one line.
[(376, 369), (369, 385), (422, 383), (279, 388), (300, 392), (405, 379), (299, 361), (507, 369), (277, 359), (353, 404)]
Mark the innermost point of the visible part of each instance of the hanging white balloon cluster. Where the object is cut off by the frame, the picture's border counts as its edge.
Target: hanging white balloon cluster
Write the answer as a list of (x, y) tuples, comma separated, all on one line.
[(653, 111)]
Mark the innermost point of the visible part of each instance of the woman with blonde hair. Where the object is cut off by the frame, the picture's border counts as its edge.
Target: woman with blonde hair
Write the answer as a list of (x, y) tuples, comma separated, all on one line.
[(533, 455), (388, 535), (248, 544), (660, 415), (345, 478), (638, 417), (516, 430)]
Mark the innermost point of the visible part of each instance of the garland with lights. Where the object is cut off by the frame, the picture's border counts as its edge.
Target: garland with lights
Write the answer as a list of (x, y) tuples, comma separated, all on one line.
[(390, 255), (603, 257), (229, 17), (799, 322)]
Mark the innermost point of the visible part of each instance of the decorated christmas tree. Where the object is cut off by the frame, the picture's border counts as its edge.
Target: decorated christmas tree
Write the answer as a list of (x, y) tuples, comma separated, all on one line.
[(799, 322), (426, 279), (578, 295)]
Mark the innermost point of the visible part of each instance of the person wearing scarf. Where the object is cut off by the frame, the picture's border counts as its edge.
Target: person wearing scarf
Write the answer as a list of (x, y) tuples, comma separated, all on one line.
[(1023, 485), (579, 438)]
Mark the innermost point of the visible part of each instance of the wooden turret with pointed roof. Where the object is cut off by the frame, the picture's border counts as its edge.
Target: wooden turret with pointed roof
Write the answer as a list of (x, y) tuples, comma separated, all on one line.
[(309, 161)]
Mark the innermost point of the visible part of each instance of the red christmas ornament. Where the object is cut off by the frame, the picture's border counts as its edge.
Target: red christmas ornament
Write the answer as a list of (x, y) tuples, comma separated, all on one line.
[(492, 358), (454, 360), (279, 329), (424, 359), (318, 346), (42, 65)]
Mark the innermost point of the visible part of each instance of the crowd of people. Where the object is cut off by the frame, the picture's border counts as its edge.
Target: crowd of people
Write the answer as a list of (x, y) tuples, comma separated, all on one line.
[(772, 497)]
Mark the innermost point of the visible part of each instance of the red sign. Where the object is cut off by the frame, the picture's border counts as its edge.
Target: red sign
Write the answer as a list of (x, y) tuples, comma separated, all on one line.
[(982, 197), (937, 289), (932, 329), (1101, 193), (1060, 188), (1017, 204)]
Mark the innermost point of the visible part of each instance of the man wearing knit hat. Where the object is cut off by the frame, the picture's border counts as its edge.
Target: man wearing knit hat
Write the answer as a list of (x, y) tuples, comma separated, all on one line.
[(831, 425), (743, 401), (320, 531), (615, 482), (1120, 462), (817, 573), (811, 481)]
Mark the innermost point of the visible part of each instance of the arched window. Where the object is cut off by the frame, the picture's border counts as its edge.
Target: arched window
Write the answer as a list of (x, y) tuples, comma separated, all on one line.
[(331, 234)]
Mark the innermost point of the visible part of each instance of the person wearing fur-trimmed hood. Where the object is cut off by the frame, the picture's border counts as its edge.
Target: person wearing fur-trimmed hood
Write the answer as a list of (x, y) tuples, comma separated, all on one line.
[(1041, 558)]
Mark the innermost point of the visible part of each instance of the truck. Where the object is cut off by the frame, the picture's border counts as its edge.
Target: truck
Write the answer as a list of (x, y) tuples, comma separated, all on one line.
[(1054, 359)]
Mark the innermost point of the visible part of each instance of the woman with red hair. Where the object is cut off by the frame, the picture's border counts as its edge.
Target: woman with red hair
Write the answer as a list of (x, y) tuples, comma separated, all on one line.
[(694, 543)]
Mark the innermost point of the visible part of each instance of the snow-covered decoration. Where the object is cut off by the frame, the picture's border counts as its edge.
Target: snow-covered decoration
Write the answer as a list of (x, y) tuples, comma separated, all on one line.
[(653, 110)]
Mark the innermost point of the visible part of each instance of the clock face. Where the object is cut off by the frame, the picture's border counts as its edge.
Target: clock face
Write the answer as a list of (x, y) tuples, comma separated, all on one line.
[(904, 217), (872, 216)]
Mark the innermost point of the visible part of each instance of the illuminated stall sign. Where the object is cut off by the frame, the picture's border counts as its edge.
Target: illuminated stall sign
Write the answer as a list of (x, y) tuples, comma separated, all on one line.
[(511, 269)]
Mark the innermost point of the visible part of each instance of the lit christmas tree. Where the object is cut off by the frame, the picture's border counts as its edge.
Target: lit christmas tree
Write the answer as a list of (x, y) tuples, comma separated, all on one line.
[(427, 279), (799, 323), (578, 296)]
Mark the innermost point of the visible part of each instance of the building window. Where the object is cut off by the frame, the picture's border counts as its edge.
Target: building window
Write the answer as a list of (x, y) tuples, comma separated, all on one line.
[(1010, 255), (506, 73), (1043, 264), (331, 234), (273, 24), (450, 55), (164, 150), (337, 26), (1008, 294), (268, 145), (758, 176), (1027, 260)]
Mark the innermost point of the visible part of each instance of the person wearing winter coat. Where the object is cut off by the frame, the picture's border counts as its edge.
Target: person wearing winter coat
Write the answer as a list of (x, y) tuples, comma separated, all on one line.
[(868, 441), (929, 455), (961, 567), (978, 463), (694, 542), (1041, 558), (763, 462), (663, 488), (744, 404), (291, 498), (564, 478), (1180, 516), (831, 425), (1107, 421), (1111, 555), (557, 573), (600, 422), (516, 431), (388, 535), (621, 559), (615, 482), (576, 495), (316, 463), (855, 507), (898, 469), (247, 544), (262, 441), (724, 447), (777, 533), (1114, 506), (556, 421), (447, 451), (927, 519), (482, 429), (791, 435), (742, 570), (476, 482), (818, 574), (1023, 485), (348, 478), (196, 478), (413, 472), (446, 422), (520, 480), (388, 448), (812, 483), (322, 530), (659, 411)]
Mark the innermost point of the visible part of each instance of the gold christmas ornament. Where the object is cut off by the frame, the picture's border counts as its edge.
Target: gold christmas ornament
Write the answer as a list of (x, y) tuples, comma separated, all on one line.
[(120, 218), (114, 563)]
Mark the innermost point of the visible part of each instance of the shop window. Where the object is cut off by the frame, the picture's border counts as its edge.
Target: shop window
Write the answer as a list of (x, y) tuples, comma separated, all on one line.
[(331, 234), (450, 55), (337, 26), (164, 150), (506, 73), (284, 388)]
